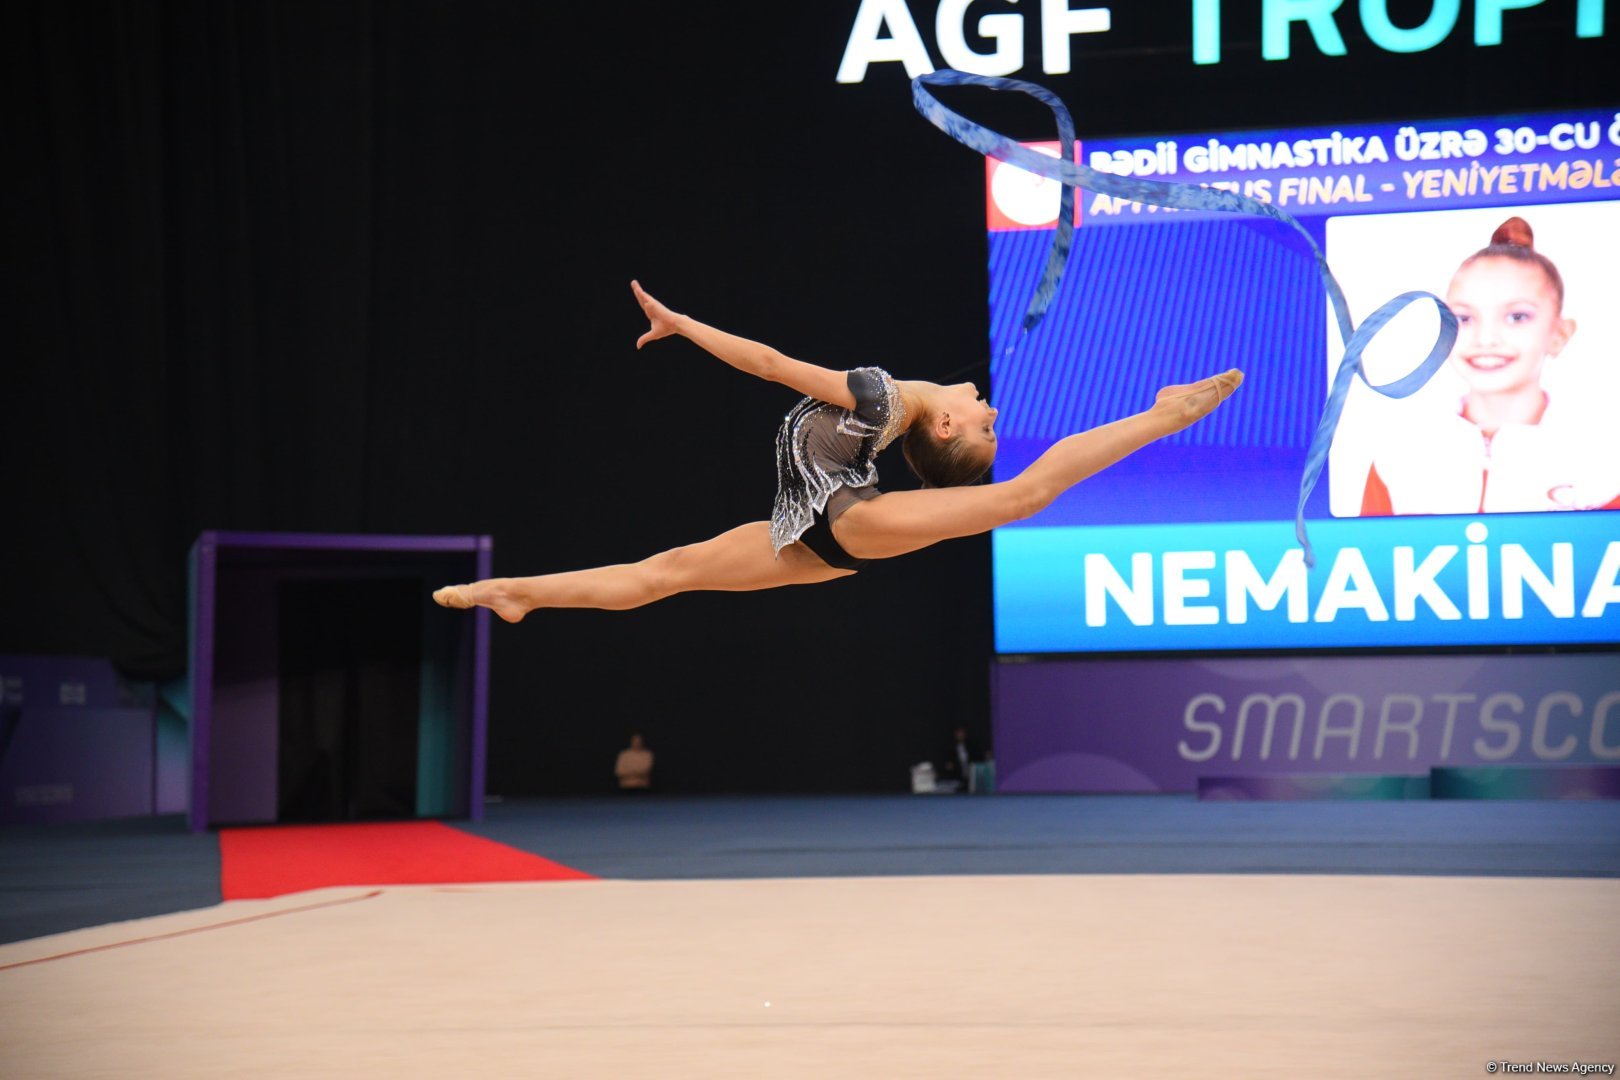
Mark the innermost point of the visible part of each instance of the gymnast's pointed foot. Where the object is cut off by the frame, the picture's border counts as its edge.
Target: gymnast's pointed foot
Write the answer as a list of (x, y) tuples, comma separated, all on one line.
[(492, 594), (1188, 403)]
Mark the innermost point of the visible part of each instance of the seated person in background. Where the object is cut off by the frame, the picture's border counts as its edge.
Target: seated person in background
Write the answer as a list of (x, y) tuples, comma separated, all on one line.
[(960, 759), (635, 764), (1508, 446)]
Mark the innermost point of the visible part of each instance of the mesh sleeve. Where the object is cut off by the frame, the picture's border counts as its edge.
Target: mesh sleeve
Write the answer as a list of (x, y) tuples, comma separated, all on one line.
[(869, 385)]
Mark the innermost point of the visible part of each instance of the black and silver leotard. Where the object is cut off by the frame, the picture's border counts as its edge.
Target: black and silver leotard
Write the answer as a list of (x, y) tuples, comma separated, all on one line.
[(826, 462)]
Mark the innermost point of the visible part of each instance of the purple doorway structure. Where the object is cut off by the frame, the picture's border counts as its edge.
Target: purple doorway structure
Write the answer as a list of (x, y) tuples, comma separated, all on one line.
[(234, 672)]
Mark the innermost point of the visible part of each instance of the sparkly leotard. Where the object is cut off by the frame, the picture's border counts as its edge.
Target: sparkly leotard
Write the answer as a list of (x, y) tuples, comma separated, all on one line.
[(825, 460)]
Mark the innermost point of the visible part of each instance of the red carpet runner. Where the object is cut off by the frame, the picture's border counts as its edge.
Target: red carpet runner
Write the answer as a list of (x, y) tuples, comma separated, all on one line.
[(260, 863)]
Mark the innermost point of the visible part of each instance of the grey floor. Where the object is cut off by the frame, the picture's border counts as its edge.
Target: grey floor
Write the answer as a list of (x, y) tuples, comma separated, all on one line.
[(57, 878), (650, 837), (64, 877)]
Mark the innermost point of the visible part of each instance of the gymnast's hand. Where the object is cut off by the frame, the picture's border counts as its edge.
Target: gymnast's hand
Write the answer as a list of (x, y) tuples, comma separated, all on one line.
[(662, 319)]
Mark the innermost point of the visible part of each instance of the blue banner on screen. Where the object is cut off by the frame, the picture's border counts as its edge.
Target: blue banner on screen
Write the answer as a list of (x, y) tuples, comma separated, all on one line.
[(1484, 510)]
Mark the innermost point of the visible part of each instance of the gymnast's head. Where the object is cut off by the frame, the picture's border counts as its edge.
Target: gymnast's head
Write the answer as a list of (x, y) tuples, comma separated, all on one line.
[(1509, 302), (952, 440)]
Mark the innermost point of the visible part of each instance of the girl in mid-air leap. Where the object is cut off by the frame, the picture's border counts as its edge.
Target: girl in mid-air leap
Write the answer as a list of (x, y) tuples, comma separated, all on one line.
[(830, 520)]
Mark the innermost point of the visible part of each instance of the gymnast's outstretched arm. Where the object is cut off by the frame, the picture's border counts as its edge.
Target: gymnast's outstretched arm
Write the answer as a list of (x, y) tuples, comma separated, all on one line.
[(821, 383)]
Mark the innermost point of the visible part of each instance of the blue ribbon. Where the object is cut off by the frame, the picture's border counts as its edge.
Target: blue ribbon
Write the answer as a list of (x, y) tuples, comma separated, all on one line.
[(1182, 197)]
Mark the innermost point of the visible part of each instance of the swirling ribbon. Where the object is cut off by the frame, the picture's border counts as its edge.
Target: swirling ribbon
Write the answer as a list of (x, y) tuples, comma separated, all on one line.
[(1182, 197)]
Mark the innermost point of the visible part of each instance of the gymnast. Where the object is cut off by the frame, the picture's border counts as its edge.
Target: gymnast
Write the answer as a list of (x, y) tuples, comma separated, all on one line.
[(829, 519)]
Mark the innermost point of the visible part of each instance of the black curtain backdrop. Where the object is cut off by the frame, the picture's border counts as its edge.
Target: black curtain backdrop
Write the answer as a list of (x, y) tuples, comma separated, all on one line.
[(351, 676), (363, 267)]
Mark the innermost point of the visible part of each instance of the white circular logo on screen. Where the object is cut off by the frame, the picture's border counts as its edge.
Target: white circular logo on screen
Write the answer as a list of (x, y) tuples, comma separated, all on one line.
[(1024, 197)]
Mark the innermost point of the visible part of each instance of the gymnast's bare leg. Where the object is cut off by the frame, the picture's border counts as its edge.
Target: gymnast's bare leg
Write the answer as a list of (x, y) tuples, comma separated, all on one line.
[(901, 521), (737, 561), (891, 524)]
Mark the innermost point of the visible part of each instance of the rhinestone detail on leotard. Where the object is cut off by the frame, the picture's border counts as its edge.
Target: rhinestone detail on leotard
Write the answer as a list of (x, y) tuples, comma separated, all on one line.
[(805, 481)]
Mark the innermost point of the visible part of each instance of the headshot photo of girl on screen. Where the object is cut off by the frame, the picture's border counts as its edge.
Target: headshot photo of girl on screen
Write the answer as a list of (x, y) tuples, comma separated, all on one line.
[(1509, 443)]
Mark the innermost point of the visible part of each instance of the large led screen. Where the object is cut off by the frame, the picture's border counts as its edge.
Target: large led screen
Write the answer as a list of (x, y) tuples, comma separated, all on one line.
[(1484, 510)]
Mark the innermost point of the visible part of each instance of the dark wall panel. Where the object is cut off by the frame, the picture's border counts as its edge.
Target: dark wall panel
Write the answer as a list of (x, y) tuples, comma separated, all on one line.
[(363, 267)]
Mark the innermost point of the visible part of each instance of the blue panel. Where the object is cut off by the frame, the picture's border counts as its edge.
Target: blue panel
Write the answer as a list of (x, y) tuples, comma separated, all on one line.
[(1143, 306), (1154, 298), (1047, 577)]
